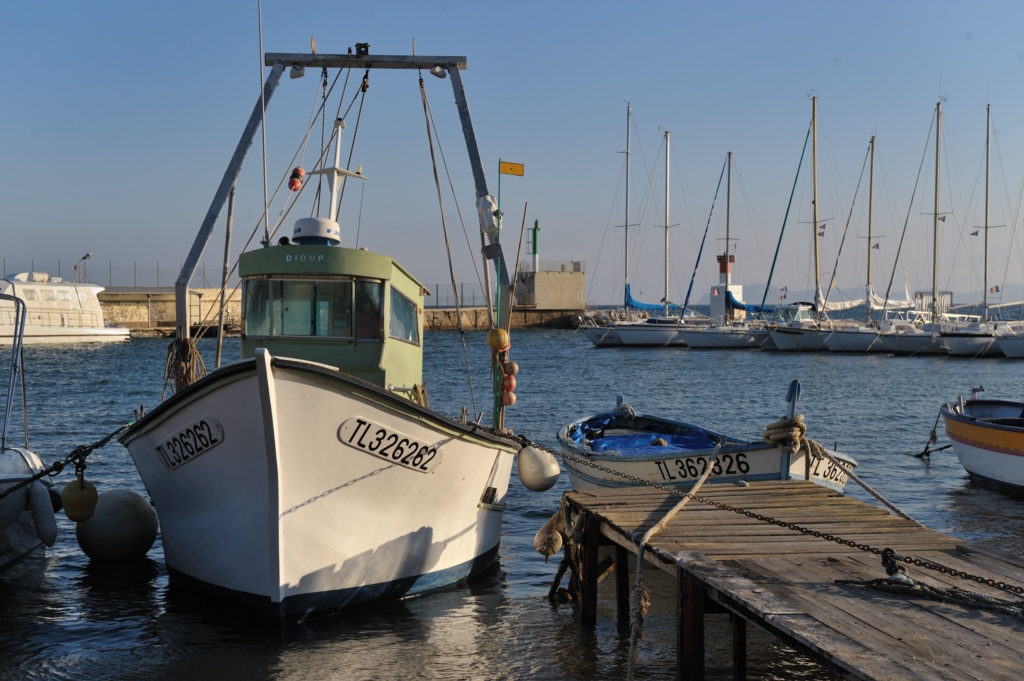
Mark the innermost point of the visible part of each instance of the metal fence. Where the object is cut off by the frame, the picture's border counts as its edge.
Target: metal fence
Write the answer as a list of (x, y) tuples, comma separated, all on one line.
[(87, 270)]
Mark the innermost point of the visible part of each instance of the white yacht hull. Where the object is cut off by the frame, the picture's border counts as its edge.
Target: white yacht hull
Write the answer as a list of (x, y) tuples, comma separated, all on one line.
[(966, 344), (1011, 346), (316, 492), (722, 337), (864, 339), (913, 343), (38, 334), (795, 339)]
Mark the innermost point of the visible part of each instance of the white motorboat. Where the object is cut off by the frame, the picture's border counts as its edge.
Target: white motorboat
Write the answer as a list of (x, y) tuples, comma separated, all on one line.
[(58, 311), (988, 438), (311, 476), (27, 507), (621, 448)]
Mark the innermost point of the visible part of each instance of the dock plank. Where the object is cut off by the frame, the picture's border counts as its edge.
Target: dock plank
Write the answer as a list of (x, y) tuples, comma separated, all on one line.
[(785, 579)]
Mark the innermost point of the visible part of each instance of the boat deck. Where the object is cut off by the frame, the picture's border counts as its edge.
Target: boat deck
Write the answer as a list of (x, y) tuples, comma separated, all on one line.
[(785, 580)]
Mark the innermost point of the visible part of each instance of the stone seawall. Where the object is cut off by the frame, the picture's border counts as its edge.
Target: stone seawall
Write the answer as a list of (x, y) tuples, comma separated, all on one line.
[(151, 311)]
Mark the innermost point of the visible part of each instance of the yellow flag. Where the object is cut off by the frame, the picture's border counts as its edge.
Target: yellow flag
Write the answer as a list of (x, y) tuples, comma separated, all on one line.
[(506, 168)]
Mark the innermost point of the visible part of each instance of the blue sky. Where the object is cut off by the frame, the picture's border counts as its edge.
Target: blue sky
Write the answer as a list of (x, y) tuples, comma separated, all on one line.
[(118, 120)]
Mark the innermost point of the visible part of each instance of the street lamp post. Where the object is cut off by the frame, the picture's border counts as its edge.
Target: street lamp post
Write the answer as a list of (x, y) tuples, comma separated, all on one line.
[(80, 277)]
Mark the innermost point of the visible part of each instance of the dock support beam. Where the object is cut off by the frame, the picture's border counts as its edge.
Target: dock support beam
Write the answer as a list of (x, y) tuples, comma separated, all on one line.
[(739, 647), (689, 628), (622, 585), (588, 581)]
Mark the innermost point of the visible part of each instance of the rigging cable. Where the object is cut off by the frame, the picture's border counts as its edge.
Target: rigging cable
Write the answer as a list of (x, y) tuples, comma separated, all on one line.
[(714, 200), (447, 244)]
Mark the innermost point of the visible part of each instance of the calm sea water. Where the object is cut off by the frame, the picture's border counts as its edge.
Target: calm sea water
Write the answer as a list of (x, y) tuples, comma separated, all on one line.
[(66, 618)]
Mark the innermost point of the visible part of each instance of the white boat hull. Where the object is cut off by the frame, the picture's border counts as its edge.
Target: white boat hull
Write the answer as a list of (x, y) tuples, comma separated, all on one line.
[(967, 344), (722, 337), (37, 334), (913, 343), (796, 339), (302, 507), (854, 340), (988, 438), (1011, 346), (750, 464), (22, 518), (642, 335)]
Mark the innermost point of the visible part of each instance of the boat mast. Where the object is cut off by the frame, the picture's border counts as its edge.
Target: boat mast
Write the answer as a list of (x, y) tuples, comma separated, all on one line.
[(871, 202), (814, 165), (984, 287), (667, 142), (629, 112), (935, 217)]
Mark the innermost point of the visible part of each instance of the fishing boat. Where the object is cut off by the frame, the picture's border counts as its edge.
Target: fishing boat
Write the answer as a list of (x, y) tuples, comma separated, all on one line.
[(622, 448), (638, 328), (988, 438), (58, 311), (312, 476), (27, 507)]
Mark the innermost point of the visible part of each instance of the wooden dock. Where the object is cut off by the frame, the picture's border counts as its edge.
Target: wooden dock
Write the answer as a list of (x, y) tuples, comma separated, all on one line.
[(785, 580)]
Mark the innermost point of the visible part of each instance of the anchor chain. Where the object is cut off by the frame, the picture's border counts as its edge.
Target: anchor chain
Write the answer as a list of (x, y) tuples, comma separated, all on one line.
[(77, 456), (890, 559)]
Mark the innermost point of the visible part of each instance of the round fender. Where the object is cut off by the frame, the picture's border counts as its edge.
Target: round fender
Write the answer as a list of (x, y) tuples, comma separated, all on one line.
[(42, 513)]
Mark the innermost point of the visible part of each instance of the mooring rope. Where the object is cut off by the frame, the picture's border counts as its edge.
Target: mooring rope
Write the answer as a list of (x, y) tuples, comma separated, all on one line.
[(790, 432), (639, 600)]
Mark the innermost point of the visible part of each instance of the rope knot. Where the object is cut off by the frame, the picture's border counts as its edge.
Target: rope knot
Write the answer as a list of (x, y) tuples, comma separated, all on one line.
[(788, 432)]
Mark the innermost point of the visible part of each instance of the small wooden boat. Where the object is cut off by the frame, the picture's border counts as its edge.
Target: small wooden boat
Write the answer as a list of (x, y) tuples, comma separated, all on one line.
[(622, 448), (988, 438)]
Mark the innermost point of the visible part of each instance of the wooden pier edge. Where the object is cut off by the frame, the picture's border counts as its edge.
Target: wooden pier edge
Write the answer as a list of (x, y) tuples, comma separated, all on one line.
[(797, 586)]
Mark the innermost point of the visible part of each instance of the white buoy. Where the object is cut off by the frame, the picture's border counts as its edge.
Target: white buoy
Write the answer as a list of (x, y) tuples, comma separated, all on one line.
[(538, 469), (42, 513), (122, 528)]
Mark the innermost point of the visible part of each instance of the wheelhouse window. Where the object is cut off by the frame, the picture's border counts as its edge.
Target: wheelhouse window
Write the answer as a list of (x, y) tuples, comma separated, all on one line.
[(283, 307), (368, 310), (404, 323)]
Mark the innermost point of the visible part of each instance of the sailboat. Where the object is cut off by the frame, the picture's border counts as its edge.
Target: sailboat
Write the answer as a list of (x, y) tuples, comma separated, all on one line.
[(921, 335), (313, 476), (798, 327), (653, 331), (729, 328), (979, 338)]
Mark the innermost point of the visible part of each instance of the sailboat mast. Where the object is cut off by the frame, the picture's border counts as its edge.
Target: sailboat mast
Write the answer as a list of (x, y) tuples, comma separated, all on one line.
[(988, 130), (625, 251), (935, 221), (814, 166), (667, 143), (871, 203), (728, 210)]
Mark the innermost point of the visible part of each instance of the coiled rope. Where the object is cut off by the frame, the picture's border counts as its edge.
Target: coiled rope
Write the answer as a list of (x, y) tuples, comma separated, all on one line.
[(639, 601), (790, 432), (184, 365)]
